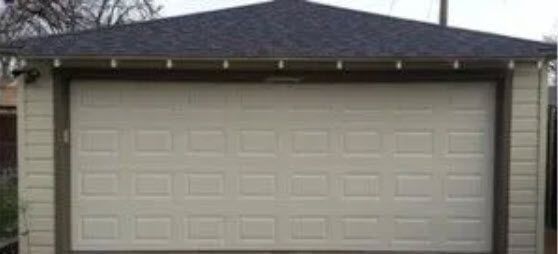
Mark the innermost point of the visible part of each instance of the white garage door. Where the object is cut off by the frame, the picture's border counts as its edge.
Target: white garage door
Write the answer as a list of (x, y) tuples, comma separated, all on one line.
[(178, 166)]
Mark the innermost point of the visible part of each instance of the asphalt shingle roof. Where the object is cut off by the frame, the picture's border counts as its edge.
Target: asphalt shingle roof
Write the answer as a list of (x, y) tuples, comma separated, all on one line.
[(287, 29)]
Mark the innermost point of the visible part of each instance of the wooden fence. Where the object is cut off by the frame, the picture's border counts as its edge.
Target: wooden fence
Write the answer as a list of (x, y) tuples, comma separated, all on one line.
[(8, 142), (8, 181)]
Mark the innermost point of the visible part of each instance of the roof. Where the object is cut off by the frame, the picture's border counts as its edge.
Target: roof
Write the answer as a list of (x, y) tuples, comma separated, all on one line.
[(285, 29)]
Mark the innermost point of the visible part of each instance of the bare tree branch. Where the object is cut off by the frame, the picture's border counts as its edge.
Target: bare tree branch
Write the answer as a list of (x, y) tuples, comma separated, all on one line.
[(29, 18)]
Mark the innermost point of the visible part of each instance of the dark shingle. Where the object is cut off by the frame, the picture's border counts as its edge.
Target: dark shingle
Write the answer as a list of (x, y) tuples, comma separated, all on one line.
[(289, 29)]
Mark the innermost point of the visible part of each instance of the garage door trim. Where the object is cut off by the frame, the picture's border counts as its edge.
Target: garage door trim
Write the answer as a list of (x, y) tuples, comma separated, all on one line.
[(62, 79)]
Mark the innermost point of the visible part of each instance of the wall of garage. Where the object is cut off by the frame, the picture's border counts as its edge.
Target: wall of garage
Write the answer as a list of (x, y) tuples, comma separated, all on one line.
[(526, 195), (36, 160)]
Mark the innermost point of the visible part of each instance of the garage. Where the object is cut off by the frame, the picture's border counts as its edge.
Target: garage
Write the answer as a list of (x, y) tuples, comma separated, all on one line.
[(186, 166), (286, 126)]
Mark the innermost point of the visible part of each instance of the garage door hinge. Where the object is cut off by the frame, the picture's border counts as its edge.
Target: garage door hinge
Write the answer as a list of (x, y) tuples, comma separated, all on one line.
[(66, 136)]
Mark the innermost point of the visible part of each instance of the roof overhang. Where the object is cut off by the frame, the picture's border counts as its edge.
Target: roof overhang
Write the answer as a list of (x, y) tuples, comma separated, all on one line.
[(287, 63)]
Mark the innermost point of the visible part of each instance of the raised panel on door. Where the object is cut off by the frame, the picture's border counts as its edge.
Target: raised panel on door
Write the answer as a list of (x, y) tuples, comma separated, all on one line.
[(182, 166)]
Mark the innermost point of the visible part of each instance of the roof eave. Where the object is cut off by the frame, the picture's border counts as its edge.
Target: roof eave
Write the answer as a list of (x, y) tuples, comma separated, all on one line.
[(547, 56)]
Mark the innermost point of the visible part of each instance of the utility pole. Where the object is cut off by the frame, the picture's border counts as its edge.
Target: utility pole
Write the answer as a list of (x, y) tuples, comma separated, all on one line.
[(443, 12)]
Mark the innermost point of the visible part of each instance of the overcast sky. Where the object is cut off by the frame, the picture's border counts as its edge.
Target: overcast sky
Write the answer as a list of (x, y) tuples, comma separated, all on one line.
[(521, 18)]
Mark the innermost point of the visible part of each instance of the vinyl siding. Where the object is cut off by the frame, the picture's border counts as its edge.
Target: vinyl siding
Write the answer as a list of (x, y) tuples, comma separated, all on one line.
[(36, 173), (526, 169)]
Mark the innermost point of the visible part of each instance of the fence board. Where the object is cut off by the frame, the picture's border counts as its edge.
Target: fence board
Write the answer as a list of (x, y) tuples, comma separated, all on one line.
[(8, 142)]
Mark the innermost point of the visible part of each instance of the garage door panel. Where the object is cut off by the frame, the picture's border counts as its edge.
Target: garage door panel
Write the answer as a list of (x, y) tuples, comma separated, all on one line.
[(249, 167)]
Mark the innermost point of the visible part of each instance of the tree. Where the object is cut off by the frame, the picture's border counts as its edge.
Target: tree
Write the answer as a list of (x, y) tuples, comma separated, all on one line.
[(29, 18)]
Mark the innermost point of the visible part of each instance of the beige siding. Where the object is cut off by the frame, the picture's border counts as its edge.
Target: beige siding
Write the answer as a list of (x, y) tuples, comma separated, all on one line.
[(35, 127), (527, 175), (37, 165)]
